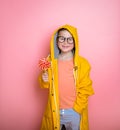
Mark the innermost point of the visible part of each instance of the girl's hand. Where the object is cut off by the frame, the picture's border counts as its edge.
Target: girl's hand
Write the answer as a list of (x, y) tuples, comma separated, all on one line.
[(45, 76)]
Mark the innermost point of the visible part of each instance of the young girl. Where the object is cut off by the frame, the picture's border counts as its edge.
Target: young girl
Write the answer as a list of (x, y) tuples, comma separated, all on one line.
[(68, 81)]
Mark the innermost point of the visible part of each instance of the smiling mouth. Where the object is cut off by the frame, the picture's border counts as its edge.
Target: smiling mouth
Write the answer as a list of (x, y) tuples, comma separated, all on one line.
[(65, 46)]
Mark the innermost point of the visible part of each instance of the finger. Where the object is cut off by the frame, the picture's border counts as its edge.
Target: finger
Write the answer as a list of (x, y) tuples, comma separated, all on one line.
[(45, 79), (45, 73)]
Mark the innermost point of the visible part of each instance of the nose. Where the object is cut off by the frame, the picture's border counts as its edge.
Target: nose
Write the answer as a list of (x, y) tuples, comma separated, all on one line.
[(66, 41)]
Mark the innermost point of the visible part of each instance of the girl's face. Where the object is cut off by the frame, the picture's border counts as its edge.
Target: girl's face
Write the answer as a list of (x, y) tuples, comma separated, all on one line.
[(65, 41)]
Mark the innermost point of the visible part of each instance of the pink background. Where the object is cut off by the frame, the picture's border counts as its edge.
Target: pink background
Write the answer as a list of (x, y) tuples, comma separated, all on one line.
[(25, 30)]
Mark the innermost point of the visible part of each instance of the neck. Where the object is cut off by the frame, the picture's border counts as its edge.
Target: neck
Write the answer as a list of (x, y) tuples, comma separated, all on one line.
[(65, 56)]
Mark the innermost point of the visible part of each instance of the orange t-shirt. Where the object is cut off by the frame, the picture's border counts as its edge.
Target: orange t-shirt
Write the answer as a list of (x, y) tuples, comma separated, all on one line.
[(66, 84)]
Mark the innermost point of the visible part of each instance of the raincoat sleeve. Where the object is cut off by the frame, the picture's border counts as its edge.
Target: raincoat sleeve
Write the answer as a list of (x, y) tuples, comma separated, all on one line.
[(42, 83), (84, 86)]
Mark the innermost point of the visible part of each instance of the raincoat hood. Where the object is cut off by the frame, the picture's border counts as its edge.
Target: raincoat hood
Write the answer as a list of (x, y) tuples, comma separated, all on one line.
[(54, 49)]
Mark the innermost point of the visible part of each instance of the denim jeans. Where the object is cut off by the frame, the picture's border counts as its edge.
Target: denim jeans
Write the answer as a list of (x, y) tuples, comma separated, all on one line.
[(70, 119)]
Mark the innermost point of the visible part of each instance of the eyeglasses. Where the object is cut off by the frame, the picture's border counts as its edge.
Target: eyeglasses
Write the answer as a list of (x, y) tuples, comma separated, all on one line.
[(62, 39)]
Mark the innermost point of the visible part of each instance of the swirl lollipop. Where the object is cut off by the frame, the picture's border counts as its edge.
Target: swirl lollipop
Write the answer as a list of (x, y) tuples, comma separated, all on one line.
[(44, 64)]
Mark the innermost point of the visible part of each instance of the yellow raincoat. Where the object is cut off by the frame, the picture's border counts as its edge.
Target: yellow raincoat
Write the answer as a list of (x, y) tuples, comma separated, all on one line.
[(51, 118)]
